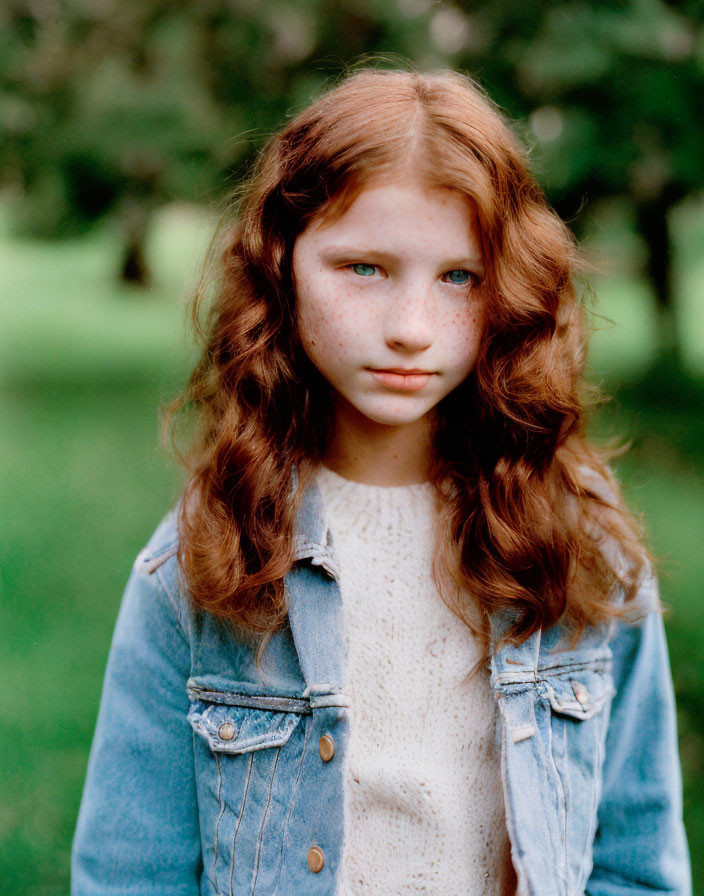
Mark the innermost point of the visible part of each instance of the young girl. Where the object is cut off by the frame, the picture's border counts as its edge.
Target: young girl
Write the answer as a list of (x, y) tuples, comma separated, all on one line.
[(400, 634)]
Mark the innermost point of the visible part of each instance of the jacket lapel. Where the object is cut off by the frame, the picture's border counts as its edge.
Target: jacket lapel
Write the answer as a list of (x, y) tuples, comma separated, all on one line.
[(314, 599)]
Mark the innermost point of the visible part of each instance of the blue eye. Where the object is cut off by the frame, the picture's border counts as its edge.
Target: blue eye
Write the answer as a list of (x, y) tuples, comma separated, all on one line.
[(458, 277), (363, 270)]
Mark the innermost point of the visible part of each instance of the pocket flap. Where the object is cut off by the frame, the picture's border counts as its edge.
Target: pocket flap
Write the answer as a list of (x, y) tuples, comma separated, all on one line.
[(240, 729), (580, 693)]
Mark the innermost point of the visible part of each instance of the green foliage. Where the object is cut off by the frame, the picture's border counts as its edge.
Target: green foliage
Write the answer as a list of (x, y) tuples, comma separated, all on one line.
[(161, 101)]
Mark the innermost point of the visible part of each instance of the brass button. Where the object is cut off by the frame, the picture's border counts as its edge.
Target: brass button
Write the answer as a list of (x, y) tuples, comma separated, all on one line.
[(326, 747), (315, 859), (226, 731), (580, 692)]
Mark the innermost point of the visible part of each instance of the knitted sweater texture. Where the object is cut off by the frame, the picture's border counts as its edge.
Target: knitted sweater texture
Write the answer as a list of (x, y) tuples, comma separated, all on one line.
[(424, 811)]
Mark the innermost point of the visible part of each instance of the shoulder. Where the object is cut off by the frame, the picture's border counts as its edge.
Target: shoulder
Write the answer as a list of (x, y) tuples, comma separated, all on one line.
[(161, 547), (157, 565)]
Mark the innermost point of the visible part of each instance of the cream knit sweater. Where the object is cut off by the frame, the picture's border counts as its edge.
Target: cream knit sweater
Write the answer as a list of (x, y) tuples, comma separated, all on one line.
[(424, 811)]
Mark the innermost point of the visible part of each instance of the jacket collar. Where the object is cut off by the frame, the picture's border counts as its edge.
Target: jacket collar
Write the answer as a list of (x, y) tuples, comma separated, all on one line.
[(314, 603), (312, 538)]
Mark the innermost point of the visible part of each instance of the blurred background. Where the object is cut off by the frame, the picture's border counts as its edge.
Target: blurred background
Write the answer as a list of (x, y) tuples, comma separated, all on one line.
[(123, 127)]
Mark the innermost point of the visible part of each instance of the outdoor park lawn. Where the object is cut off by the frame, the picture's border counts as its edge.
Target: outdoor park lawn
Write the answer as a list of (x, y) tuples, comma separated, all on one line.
[(84, 365)]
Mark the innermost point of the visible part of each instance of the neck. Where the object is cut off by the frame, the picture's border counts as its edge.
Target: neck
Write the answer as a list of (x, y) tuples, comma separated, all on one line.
[(379, 454)]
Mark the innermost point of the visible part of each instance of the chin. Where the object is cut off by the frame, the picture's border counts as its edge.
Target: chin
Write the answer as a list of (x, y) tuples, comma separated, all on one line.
[(392, 418)]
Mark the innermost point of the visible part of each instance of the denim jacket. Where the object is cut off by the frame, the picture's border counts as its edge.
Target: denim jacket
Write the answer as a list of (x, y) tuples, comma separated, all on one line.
[(206, 776)]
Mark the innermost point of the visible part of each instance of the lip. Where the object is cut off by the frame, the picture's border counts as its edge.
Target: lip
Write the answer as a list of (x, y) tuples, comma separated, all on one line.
[(402, 370), (408, 380)]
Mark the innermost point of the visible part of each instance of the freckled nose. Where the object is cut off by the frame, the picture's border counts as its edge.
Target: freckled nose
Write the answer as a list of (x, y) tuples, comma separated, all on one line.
[(409, 321)]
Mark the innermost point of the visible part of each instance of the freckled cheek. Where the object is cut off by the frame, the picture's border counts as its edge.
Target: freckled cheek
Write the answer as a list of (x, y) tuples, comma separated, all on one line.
[(464, 326), (336, 323), (354, 328), (461, 337), (331, 332), (348, 337)]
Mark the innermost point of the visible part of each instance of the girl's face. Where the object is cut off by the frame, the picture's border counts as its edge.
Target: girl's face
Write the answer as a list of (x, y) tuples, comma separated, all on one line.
[(390, 285)]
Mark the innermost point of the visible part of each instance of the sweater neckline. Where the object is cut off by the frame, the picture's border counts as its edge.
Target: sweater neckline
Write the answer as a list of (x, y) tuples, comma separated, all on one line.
[(364, 487)]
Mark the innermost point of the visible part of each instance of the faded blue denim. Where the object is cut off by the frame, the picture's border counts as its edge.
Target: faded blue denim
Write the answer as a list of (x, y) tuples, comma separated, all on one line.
[(178, 801)]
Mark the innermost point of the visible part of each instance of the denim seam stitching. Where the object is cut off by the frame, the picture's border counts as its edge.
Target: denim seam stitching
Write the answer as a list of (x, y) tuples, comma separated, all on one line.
[(176, 606), (206, 871), (538, 644), (263, 824), (239, 819), (601, 743), (568, 797), (217, 823), (290, 809), (555, 670), (562, 803)]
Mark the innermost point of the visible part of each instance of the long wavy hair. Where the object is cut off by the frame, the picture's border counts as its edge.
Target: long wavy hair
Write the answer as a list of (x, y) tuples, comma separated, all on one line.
[(530, 506)]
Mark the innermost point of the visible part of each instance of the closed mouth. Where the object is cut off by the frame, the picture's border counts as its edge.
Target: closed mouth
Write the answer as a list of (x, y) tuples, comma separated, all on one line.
[(399, 370)]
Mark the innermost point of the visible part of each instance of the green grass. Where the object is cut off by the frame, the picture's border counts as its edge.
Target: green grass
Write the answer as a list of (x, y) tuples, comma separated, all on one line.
[(84, 365)]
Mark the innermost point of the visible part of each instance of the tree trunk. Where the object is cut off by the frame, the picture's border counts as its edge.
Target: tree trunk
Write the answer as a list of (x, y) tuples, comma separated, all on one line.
[(135, 222), (653, 225), (134, 266)]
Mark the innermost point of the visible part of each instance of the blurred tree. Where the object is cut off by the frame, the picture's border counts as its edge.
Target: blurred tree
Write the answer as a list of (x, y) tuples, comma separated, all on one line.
[(114, 109), (102, 114), (609, 90)]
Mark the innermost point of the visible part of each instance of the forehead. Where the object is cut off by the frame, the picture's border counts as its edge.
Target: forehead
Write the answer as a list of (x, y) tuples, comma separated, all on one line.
[(398, 208)]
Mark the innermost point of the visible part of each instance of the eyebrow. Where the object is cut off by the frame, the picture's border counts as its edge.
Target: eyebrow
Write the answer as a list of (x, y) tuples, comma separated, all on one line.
[(344, 251)]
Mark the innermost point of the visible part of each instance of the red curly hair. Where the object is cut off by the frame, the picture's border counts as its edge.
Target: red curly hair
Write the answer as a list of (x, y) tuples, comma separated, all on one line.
[(528, 500)]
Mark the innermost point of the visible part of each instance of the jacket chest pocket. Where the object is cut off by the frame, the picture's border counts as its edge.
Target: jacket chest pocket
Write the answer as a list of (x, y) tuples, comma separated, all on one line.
[(579, 701), (247, 758)]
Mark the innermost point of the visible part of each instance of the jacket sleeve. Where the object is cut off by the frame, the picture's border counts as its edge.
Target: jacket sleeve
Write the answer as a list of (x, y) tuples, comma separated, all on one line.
[(640, 844), (138, 829)]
